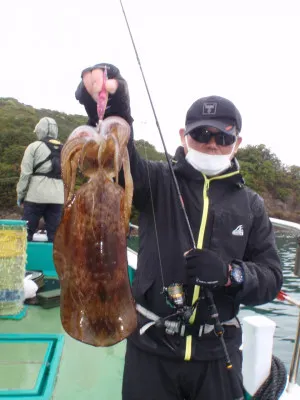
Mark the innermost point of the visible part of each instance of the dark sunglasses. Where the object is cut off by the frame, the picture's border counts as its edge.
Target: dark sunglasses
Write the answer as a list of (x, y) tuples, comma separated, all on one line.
[(202, 135)]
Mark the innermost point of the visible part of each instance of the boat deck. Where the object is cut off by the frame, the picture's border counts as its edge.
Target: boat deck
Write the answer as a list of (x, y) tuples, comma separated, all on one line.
[(29, 370), (85, 372), (79, 371)]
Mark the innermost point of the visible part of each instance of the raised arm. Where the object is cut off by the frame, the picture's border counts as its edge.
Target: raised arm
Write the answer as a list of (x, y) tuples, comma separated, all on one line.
[(143, 172)]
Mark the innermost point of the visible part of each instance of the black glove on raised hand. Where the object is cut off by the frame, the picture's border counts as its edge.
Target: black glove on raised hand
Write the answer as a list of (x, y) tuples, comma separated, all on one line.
[(206, 268), (118, 103)]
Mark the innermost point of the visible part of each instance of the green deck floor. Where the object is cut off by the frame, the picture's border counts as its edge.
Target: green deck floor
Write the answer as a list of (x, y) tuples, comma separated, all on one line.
[(85, 372), (20, 364)]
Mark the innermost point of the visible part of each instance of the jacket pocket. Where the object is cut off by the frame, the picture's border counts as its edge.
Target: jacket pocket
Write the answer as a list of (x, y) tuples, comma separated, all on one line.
[(230, 234)]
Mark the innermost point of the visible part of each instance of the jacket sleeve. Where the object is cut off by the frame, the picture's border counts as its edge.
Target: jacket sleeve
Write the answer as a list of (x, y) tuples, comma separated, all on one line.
[(26, 172), (144, 173), (262, 268)]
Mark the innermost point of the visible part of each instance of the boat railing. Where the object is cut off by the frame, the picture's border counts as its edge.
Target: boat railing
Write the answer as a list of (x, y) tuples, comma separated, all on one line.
[(296, 228)]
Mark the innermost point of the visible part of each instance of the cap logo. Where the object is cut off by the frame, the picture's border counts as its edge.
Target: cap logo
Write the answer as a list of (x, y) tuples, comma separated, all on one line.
[(209, 108)]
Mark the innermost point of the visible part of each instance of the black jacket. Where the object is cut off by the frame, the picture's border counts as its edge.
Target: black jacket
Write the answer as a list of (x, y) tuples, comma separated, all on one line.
[(229, 205)]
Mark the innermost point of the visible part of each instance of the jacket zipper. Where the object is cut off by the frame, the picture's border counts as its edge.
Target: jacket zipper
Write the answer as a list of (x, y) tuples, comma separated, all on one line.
[(196, 294)]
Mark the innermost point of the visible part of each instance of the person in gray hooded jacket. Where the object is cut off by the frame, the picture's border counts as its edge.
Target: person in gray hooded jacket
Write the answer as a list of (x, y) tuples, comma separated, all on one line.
[(40, 189)]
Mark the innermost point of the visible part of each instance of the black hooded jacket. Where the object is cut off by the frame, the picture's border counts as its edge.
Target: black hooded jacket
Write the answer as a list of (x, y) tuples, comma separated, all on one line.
[(225, 217)]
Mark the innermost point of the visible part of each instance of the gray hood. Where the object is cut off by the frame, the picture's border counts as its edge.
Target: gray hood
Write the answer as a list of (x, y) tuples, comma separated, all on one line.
[(46, 127)]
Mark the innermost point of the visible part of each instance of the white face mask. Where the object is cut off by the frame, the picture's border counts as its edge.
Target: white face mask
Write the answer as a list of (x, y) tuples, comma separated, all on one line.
[(208, 164)]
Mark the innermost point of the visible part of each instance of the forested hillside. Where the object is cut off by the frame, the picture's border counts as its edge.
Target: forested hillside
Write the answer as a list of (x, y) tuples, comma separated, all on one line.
[(278, 184)]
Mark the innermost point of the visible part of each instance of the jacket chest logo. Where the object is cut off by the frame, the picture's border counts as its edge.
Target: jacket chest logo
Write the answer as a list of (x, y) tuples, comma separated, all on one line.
[(238, 231)]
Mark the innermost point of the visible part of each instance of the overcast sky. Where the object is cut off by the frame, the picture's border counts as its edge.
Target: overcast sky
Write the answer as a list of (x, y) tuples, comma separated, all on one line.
[(245, 50)]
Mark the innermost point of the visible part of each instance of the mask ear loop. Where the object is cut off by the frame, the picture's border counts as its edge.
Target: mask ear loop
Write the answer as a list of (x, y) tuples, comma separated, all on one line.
[(233, 150), (186, 142)]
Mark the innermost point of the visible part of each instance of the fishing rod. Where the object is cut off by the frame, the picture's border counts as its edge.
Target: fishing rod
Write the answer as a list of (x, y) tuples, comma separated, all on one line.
[(219, 330), (161, 135)]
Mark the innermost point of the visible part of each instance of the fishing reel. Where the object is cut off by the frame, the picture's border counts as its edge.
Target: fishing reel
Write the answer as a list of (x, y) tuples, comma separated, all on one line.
[(176, 322), (175, 295), (175, 298)]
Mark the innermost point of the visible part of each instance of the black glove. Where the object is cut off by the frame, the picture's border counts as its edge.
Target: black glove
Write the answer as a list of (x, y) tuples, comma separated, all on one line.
[(206, 268), (118, 103)]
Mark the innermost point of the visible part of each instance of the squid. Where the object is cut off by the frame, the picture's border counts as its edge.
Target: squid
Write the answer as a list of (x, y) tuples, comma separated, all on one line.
[(90, 245)]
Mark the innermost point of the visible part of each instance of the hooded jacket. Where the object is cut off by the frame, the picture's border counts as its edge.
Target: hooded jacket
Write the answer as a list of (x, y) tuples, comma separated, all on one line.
[(225, 217), (40, 189)]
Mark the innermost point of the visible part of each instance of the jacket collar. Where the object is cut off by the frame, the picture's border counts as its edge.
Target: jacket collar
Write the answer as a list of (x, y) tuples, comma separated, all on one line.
[(183, 168)]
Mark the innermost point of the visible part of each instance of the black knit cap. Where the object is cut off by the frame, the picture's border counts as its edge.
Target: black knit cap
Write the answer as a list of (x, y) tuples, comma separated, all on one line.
[(214, 111)]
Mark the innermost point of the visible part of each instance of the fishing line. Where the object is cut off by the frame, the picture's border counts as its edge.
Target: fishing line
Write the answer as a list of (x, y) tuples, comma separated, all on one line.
[(155, 225)]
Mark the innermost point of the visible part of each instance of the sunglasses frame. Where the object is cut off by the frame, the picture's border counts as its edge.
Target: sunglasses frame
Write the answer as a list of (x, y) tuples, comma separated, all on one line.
[(219, 136)]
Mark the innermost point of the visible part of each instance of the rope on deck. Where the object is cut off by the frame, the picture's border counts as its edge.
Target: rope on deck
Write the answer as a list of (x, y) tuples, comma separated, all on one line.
[(274, 385)]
